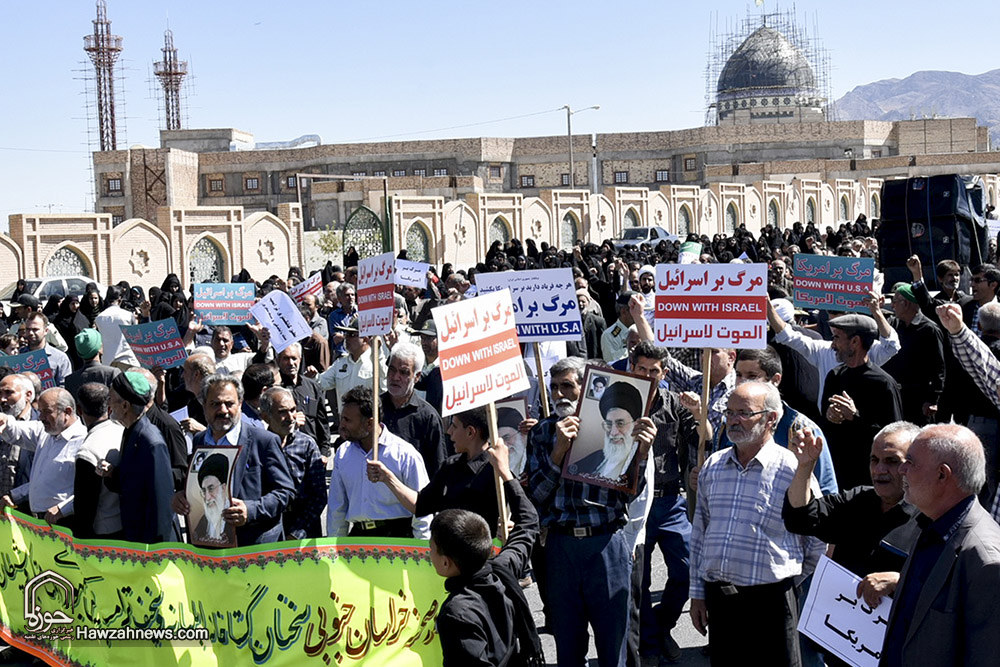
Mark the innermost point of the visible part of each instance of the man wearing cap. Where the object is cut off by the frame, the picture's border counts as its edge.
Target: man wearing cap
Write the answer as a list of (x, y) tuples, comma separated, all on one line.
[(109, 322), (859, 398), (143, 477), (34, 330), (919, 367), (351, 369), (55, 439), (800, 379), (213, 481), (88, 346), (508, 428), (621, 406), (613, 340), (429, 385)]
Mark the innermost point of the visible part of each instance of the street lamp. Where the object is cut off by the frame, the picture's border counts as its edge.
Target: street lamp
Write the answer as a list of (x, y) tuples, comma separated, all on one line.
[(569, 137)]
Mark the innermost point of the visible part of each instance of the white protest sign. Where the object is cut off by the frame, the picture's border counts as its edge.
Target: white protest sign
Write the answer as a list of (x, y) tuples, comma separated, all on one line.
[(544, 302), (994, 227), (278, 312), (478, 352), (711, 305), (376, 277), (412, 274), (837, 619), (311, 285), (690, 253)]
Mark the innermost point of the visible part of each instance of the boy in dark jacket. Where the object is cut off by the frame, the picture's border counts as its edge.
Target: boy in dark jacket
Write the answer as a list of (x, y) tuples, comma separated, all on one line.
[(485, 620)]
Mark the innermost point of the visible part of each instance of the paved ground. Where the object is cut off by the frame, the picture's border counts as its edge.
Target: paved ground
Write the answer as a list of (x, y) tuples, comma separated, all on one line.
[(689, 639)]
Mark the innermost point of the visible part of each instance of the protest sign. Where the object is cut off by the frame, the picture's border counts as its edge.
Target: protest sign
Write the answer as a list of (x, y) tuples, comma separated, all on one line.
[(224, 303), (312, 285), (156, 343), (323, 602), (376, 303), (994, 227), (832, 283), (281, 316), (544, 302), (412, 274), (478, 351), (711, 305), (837, 618), (690, 253), (36, 362)]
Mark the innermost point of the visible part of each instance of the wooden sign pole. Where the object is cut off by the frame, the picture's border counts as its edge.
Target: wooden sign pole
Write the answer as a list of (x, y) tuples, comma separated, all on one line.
[(543, 392), (375, 396), (706, 368), (491, 410)]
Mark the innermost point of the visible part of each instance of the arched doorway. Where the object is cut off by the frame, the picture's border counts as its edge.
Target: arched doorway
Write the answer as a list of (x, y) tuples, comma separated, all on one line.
[(631, 218), (568, 231), (66, 262), (732, 215), (207, 265), (418, 243), (875, 208), (810, 210), (363, 230), (773, 214), (499, 231), (845, 208), (683, 222)]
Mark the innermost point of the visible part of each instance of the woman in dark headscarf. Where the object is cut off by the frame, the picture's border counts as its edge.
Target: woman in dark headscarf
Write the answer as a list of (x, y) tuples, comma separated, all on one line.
[(51, 306), (171, 283), (91, 304), (69, 321)]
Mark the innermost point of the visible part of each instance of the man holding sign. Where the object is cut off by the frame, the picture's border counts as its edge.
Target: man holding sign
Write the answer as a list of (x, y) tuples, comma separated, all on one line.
[(586, 542)]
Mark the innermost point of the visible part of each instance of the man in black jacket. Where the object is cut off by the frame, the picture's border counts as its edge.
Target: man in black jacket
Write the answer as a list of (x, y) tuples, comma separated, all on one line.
[(485, 619)]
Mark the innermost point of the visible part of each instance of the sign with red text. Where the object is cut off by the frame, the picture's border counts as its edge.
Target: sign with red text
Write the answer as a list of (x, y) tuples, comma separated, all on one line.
[(544, 302), (311, 285), (36, 362), (711, 305), (478, 351), (376, 287), (156, 343), (832, 283), (224, 303)]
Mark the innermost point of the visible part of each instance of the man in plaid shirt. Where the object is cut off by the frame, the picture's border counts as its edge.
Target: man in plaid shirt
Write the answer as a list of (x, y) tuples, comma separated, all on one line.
[(743, 560), (588, 558)]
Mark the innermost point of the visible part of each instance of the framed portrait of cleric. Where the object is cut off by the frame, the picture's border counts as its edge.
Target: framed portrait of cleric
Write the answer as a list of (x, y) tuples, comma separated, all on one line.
[(604, 450), (209, 480), (510, 413)]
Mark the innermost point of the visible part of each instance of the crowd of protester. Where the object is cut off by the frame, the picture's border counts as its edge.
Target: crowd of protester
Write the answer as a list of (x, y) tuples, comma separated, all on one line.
[(908, 389)]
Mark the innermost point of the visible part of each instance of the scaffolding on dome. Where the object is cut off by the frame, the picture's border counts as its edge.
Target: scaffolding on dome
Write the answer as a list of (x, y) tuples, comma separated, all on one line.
[(724, 42)]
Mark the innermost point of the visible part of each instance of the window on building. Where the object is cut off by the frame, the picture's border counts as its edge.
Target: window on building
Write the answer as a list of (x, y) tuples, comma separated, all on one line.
[(251, 184), (114, 185), (876, 153), (495, 171), (527, 181), (440, 171), (419, 171), (662, 175), (398, 172), (290, 182), (215, 185), (359, 173), (117, 220), (690, 164), (379, 172), (564, 179), (621, 177)]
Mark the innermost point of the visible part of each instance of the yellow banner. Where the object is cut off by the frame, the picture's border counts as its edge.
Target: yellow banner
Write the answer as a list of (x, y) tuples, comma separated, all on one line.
[(322, 602)]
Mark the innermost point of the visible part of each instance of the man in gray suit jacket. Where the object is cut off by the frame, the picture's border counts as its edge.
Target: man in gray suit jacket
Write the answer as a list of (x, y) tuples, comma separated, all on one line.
[(944, 611)]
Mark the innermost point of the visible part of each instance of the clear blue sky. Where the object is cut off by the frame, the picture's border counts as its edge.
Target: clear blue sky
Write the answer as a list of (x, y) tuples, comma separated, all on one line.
[(354, 71)]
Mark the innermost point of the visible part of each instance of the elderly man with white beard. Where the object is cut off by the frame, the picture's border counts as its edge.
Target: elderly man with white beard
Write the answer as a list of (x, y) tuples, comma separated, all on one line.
[(16, 396), (743, 559)]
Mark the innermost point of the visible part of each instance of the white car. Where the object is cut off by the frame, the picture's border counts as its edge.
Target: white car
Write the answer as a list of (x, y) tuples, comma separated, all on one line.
[(633, 237), (43, 288)]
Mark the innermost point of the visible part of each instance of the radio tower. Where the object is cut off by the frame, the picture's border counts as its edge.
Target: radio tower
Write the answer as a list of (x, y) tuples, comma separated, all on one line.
[(171, 73), (104, 49)]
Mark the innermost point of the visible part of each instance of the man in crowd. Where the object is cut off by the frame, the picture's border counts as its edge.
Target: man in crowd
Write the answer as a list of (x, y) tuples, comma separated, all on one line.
[(351, 369), (586, 541), (944, 607), (16, 396), (97, 509), (344, 313), (262, 485), (308, 396), (55, 439), (406, 414), (33, 331), (613, 340), (89, 346), (197, 367), (109, 322), (430, 386), (316, 321), (859, 398), (302, 516), (985, 282), (143, 477), (257, 379), (742, 560), (354, 498)]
